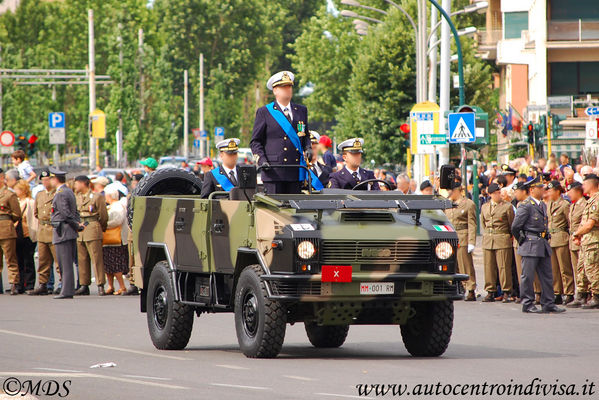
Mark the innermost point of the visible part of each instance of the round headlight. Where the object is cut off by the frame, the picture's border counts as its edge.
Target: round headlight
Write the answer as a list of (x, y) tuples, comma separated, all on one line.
[(306, 250), (443, 250)]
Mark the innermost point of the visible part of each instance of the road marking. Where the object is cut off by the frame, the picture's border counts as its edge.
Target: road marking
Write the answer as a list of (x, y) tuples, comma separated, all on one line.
[(148, 377), (86, 375), (347, 396), (57, 370), (240, 386), (230, 366), (301, 378), (99, 346)]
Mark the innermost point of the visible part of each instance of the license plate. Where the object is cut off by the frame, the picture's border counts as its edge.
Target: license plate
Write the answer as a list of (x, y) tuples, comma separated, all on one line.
[(377, 288)]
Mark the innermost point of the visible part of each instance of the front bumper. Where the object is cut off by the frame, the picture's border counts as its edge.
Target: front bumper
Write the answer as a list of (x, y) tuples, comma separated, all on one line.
[(408, 286)]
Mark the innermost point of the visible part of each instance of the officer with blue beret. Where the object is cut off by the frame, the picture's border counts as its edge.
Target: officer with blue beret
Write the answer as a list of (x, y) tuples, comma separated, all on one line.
[(352, 174), (280, 137)]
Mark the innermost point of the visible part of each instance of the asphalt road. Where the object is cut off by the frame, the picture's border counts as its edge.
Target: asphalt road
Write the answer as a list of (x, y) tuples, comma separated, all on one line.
[(45, 339)]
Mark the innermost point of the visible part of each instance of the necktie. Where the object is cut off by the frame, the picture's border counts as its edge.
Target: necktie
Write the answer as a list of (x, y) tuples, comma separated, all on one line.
[(355, 175), (232, 178), (286, 112)]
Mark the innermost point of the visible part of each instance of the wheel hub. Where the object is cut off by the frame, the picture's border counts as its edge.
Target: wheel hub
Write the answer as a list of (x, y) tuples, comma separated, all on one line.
[(160, 307), (250, 314)]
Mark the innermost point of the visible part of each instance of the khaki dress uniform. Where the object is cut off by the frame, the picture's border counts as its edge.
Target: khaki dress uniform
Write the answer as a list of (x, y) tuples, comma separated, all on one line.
[(45, 248), (92, 209), (590, 243), (577, 252), (10, 212), (463, 219), (496, 221), (559, 228)]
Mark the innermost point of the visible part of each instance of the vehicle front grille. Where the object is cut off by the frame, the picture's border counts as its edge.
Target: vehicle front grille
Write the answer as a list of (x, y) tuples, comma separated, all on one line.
[(379, 252), (366, 217), (445, 288), (283, 288)]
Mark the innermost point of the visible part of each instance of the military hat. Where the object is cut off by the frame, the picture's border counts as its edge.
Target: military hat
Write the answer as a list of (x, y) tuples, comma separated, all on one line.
[(591, 176), (521, 186), (230, 146), (279, 79), (425, 184), (554, 185), (493, 187), (55, 172), (352, 145), (546, 176), (137, 177), (574, 185), (535, 182), (314, 137), (507, 170), (44, 173)]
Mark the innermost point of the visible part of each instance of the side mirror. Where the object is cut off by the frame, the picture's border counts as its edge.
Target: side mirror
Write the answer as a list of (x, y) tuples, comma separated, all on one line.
[(447, 175), (247, 177)]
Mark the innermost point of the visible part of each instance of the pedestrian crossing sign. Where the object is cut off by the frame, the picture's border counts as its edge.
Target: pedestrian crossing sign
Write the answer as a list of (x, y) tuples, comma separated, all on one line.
[(462, 127)]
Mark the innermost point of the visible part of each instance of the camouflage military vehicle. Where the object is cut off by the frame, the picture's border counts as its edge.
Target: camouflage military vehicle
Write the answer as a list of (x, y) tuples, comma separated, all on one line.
[(329, 260)]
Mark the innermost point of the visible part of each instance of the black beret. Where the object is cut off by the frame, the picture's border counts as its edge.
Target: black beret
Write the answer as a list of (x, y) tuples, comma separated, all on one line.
[(44, 173), (521, 186), (138, 177), (493, 187), (546, 176), (574, 185), (456, 185), (591, 176), (82, 178), (554, 185), (425, 184)]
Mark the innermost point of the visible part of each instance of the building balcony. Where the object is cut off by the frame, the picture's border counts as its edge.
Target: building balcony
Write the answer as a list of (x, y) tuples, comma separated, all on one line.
[(487, 42), (566, 34)]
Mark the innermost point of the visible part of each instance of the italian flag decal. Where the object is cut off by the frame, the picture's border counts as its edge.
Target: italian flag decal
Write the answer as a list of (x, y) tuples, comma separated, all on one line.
[(443, 228)]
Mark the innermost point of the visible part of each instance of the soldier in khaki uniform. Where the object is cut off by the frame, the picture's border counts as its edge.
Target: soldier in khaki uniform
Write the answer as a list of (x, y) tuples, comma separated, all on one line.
[(10, 212), (463, 219), (588, 234), (92, 209), (496, 217), (558, 211), (576, 251), (45, 248)]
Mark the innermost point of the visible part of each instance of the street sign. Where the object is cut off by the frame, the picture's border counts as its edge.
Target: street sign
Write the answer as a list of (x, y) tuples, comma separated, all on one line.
[(590, 111), (591, 130), (98, 124), (219, 133), (196, 133), (424, 124), (204, 134), (462, 127), (7, 138), (56, 126), (433, 139), (196, 143), (536, 107)]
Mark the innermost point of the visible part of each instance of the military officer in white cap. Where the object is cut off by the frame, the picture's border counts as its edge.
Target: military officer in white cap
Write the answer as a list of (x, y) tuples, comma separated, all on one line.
[(225, 177), (280, 137), (352, 174)]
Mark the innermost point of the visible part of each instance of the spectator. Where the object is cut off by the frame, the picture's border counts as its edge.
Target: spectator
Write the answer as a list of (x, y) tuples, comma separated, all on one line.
[(26, 237), (114, 249), (150, 164), (325, 144), (12, 177), (100, 183), (119, 184), (25, 170)]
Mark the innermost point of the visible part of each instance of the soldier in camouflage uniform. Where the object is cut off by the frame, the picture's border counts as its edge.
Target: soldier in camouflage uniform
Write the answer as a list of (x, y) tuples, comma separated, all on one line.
[(463, 219), (588, 234), (577, 252), (10, 212), (496, 217), (558, 211)]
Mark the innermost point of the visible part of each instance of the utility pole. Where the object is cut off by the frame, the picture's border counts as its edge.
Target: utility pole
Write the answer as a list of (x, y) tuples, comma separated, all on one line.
[(432, 80), (140, 47), (203, 149), (444, 73), (1, 94), (185, 121), (93, 142), (421, 89), (119, 135)]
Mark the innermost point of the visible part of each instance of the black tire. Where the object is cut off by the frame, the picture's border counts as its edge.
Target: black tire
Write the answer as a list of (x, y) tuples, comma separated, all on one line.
[(326, 336), (169, 322), (427, 333), (165, 181), (260, 323)]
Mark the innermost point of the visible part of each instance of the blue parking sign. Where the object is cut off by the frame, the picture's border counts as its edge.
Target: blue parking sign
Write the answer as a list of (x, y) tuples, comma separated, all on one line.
[(56, 120)]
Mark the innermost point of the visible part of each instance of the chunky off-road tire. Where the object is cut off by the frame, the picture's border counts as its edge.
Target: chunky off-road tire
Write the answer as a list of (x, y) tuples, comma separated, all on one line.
[(169, 322), (260, 323), (326, 336), (428, 332), (165, 181)]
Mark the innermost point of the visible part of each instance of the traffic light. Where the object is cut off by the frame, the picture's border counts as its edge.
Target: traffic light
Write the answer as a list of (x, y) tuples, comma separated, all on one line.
[(530, 129), (21, 142), (556, 128), (31, 140), (405, 129)]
